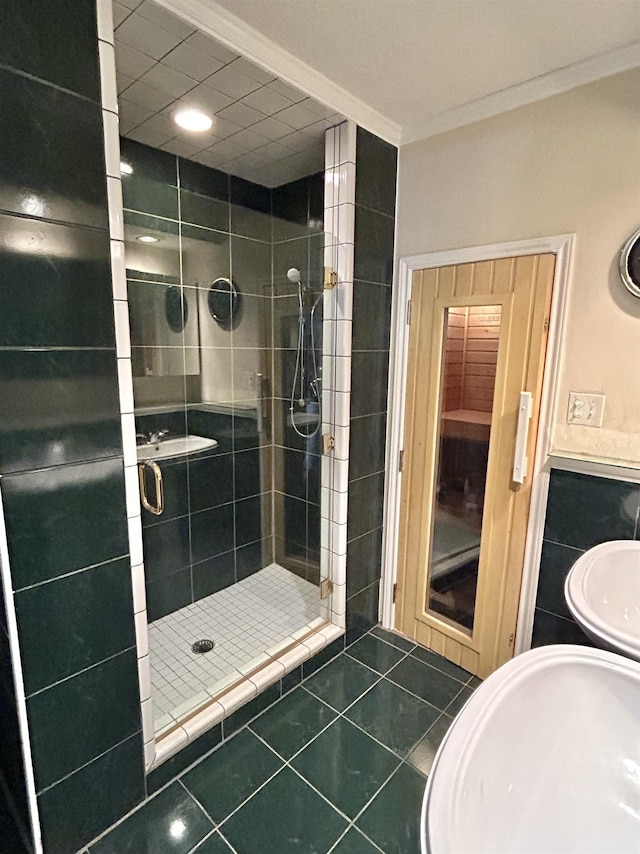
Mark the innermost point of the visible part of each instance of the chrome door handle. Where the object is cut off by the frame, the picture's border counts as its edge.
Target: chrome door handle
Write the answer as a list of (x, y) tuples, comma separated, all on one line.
[(520, 459), (158, 508)]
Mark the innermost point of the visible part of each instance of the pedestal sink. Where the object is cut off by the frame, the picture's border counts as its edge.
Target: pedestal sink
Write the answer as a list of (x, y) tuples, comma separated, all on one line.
[(603, 594), (544, 758)]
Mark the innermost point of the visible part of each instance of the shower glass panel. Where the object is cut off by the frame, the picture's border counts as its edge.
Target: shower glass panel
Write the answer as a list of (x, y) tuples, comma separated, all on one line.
[(225, 305), (467, 387)]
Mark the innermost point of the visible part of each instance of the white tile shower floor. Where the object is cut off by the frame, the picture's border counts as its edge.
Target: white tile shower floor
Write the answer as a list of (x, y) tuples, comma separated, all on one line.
[(245, 621)]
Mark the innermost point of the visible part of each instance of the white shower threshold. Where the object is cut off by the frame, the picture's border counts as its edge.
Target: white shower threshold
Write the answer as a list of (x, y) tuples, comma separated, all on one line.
[(263, 627)]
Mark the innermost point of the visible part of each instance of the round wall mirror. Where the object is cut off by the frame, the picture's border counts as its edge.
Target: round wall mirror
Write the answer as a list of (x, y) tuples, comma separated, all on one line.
[(224, 302), (630, 264), (176, 309)]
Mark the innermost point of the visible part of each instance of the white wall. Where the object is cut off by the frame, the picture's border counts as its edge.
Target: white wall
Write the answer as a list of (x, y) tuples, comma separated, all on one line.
[(568, 164)]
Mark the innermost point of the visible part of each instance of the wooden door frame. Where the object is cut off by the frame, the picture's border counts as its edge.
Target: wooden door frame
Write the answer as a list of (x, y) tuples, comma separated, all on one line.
[(562, 247)]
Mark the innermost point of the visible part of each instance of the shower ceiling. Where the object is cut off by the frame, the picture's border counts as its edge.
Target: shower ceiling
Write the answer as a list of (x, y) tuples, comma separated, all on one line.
[(263, 129)]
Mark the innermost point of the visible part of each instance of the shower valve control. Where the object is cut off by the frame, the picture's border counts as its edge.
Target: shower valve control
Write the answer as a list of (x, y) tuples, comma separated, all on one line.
[(328, 443)]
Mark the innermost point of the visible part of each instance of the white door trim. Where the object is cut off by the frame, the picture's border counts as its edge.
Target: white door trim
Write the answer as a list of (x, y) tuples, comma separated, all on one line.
[(561, 246)]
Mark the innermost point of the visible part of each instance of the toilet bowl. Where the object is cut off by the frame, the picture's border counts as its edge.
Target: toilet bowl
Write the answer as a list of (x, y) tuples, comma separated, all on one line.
[(602, 591), (543, 757)]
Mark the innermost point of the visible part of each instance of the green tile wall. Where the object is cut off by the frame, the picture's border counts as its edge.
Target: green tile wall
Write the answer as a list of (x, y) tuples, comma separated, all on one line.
[(60, 441), (371, 326)]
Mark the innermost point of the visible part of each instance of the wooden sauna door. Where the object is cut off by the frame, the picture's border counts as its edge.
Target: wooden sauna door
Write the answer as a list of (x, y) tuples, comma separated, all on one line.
[(477, 340)]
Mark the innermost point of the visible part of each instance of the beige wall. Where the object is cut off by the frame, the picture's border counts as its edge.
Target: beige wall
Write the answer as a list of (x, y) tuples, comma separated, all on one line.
[(569, 164)]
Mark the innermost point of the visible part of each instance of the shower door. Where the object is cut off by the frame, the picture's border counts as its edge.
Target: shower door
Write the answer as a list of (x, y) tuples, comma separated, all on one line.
[(476, 355)]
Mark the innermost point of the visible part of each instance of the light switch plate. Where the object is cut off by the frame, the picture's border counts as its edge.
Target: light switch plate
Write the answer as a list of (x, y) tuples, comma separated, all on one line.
[(586, 409)]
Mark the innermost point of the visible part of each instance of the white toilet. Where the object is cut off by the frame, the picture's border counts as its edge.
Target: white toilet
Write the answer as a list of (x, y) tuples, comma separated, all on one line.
[(602, 591)]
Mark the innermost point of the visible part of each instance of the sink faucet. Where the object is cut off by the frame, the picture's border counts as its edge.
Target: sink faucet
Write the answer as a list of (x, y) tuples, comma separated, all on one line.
[(157, 436)]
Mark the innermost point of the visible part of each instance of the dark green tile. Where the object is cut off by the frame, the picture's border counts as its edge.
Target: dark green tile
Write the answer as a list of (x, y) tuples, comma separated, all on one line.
[(346, 766), (401, 798), (376, 653), (45, 171), (150, 197), (549, 629), (59, 48), (474, 682), (213, 575), (176, 493), (62, 520), (249, 195), (170, 823), (246, 473), (291, 680), (249, 559), (319, 659), (285, 816), (367, 445), (371, 325), (555, 563), (85, 804), (185, 757), (205, 256), (376, 173), (168, 593), (59, 406), (74, 622), (441, 663), (250, 223), (431, 685), (364, 559), (362, 611), (341, 682), (212, 532), (583, 510), (459, 700), (149, 162), (393, 717), (353, 842), (76, 720), (423, 754), (393, 638), (12, 837), (226, 778), (291, 210), (373, 250), (366, 499), (369, 375), (214, 844), (247, 518), (251, 709), (251, 266), (44, 294), (293, 722), (210, 482), (203, 180), (293, 253), (204, 211)]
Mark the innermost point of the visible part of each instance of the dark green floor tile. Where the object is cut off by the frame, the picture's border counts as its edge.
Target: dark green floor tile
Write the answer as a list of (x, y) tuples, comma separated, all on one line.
[(227, 777), (426, 682), (474, 682), (341, 682), (393, 716), (423, 754), (213, 844), (293, 722), (251, 709), (458, 701), (393, 638), (401, 799), (160, 776), (284, 817), (171, 822), (346, 766), (353, 842), (441, 663), (376, 653)]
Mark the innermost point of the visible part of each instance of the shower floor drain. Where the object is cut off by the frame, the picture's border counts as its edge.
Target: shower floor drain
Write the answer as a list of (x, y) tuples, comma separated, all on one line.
[(201, 646)]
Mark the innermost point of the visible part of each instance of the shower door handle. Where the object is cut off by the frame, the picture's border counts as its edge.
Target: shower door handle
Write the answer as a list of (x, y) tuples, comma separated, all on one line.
[(157, 508), (520, 460)]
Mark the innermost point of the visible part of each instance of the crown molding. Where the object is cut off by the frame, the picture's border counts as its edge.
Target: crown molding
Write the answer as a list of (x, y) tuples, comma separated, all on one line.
[(210, 18), (538, 88)]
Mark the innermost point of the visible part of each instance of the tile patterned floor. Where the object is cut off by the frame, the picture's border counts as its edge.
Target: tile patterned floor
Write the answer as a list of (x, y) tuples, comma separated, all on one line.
[(245, 620), (339, 764)]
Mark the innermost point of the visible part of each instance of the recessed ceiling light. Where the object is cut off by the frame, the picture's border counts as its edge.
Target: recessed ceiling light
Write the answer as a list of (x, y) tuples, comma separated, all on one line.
[(193, 120), (125, 168), (148, 238)]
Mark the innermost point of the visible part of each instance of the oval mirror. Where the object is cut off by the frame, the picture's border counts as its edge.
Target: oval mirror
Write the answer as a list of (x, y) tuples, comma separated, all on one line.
[(224, 302), (630, 264), (176, 308)]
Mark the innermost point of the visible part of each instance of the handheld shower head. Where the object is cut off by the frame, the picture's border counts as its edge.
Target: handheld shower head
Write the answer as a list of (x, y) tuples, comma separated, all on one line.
[(293, 274)]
